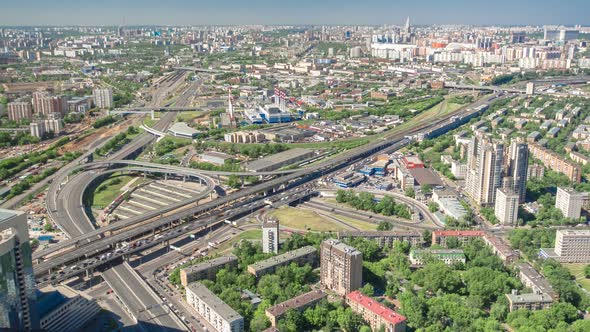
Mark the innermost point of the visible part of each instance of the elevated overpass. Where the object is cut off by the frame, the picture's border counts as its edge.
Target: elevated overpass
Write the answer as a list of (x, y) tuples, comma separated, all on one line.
[(89, 245), (495, 89)]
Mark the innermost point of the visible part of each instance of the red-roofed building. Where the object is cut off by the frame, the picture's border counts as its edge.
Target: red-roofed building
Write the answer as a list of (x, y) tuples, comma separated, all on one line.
[(412, 162), (375, 313), (440, 237)]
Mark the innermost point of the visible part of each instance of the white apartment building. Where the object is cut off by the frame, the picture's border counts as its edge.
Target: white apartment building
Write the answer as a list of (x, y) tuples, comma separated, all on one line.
[(506, 206), (103, 98), (216, 312), (570, 202), (270, 236), (573, 246)]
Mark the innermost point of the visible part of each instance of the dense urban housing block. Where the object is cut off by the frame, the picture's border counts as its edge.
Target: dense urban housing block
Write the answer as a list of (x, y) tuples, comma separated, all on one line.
[(341, 267)]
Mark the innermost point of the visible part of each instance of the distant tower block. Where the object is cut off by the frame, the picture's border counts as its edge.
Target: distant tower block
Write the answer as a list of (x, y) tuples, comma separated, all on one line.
[(230, 106), (530, 88), (270, 236)]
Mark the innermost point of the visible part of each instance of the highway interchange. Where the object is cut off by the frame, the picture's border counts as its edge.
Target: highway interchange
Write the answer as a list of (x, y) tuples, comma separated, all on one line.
[(91, 249)]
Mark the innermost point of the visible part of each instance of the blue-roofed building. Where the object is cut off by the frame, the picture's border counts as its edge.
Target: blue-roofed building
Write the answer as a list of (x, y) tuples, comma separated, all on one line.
[(273, 114), (253, 116), (348, 180)]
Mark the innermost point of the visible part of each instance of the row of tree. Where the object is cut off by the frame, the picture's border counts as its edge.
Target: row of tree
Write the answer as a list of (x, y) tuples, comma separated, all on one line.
[(365, 201)]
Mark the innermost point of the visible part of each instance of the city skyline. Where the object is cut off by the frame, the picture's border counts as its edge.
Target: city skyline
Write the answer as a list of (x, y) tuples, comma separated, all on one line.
[(372, 12)]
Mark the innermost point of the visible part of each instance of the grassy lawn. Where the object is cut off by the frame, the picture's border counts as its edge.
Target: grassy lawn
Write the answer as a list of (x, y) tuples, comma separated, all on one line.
[(112, 190), (361, 225), (149, 122), (188, 116), (305, 220), (254, 234), (578, 271), (251, 235)]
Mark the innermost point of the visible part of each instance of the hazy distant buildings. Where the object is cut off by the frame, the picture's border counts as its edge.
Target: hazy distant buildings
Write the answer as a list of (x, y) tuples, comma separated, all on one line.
[(20, 110), (103, 98), (44, 104), (52, 124), (341, 267), (560, 35)]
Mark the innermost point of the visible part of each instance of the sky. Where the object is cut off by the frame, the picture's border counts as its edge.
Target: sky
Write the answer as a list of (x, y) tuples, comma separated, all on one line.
[(221, 12)]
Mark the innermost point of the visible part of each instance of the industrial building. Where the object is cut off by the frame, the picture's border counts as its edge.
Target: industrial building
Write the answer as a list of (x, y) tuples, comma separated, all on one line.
[(348, 180), (214, 157), (272, 114), (181, 129), (448, 203), (281, 159)]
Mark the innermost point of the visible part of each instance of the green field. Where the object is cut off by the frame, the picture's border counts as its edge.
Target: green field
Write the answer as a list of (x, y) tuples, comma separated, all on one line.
[(111, 191), (188, 116), (578, 271), (254, 234), (361, 225), (305, 220)]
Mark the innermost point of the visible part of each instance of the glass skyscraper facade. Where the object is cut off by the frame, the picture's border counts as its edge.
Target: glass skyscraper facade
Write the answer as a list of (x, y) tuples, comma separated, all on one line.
[(18, 309)]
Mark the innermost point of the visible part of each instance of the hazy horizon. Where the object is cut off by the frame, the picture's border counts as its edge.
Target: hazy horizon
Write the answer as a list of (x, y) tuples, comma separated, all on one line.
[(303, 12)]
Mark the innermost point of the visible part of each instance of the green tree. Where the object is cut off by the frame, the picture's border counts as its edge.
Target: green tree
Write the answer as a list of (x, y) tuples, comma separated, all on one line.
[(433, 207), (48, 227), (426, 189), (427, 237), (410, 192), (384, 226), (368, 289)]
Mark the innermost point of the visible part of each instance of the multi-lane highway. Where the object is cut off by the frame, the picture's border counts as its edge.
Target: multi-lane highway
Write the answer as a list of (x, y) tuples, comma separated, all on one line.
[(75, 223), (250, 194), (66, 209)]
